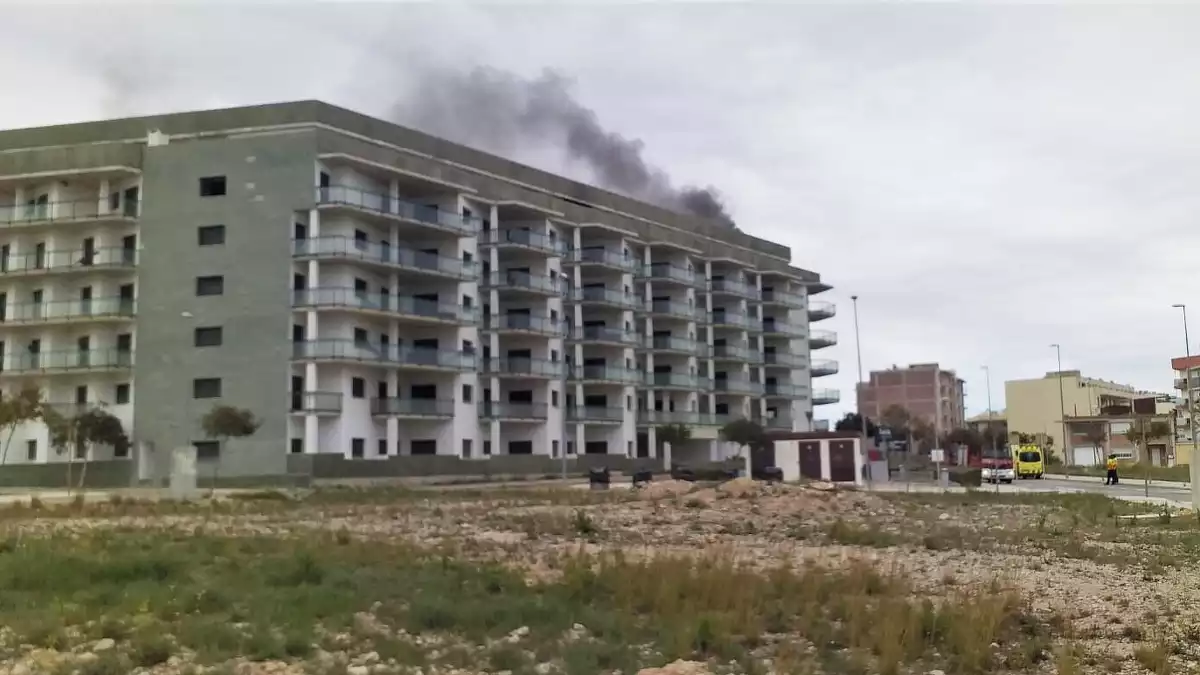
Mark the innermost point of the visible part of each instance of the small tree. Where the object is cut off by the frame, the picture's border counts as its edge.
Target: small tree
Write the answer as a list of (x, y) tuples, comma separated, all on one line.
[(1097, 436), (224, 422), (1141, 433), (25, 407), (748, 436), (897, 419), (671, 435), (73, 435), (854, 422)]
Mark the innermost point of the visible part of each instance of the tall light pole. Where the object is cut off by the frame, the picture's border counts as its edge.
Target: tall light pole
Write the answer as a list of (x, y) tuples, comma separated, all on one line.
[(1062, 407), (987, 377), (1193, 464), (862, 418)]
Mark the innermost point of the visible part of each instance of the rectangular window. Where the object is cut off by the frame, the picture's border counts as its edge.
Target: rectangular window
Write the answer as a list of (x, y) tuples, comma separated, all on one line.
[(211, 235), (358, 387), (554, 398), (211, 285), (466, 452), (206, 387), (122, 394), (554, 448), (81, 394), (381, 447), (466, 393), (212, 186), (358, 447), (208, 336), (207, 450), (31, 450), (297, 446)]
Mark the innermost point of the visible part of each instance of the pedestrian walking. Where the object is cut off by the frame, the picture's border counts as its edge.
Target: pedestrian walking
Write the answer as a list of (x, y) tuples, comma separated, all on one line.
[(1111, 473)]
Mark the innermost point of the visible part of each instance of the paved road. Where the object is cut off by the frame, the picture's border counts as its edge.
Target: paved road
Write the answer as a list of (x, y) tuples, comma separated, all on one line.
[(1176, 494)]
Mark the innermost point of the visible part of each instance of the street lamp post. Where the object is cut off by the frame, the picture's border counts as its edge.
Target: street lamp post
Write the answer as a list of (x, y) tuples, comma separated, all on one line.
[(1062, 407), (862, 418), (1193, 464), (987, 375)]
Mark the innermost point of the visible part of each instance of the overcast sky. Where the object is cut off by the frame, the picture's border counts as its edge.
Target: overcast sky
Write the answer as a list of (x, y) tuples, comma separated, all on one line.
[(988, 179)]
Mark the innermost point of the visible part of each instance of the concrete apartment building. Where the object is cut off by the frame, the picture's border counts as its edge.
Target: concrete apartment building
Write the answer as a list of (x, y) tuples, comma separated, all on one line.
[(372, 292), (1187, 380), (1033, 405), (925, 390)]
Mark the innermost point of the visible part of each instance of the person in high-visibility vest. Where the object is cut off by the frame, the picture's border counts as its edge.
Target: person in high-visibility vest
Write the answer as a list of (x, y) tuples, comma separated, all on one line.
[(1111, 476)]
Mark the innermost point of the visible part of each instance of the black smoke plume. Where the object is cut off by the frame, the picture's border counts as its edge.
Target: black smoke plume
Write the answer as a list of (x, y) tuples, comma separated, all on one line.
[(507, 114)]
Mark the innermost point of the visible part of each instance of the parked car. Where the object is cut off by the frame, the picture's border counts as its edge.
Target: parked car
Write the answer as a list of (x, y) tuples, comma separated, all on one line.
[(997, 470)]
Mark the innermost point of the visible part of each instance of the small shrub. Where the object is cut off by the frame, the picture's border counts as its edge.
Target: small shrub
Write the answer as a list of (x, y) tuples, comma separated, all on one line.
[(150, 649), (583, 524), (1154, 658)]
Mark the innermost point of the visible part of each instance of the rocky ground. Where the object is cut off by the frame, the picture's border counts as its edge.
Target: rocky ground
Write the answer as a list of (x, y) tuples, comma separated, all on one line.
[(672, 579)]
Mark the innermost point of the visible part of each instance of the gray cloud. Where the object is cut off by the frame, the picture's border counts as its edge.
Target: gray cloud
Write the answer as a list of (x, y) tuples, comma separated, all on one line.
[(503, 112)]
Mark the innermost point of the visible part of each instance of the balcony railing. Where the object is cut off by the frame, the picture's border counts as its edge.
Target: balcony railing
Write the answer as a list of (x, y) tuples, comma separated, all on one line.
[(736, 386), (383, 204), (819, 310), (67, 310), (737, 353), (822, 338), (667, 272), (380, 302), (782, 328), (678, 380), (782, 298), (676, 344), (657, 417), (538, 241), (67, 360), (590, 413), (604, 334), (525, 322), (316, 401), (349, 248), (676, 309), (335, 349), (524, 281), (785, 390), (604, 256), (824, 367), (606, 296), (729, 319), (737, 288), (606, 374), (784, 359), (68, 260), (778, 423), (520, 411), (94, 208), (825, 396), (524, 366), (412, 407)]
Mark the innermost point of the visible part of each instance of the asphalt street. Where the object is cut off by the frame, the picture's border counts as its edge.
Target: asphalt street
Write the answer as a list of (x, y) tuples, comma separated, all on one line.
[(1131, 488)]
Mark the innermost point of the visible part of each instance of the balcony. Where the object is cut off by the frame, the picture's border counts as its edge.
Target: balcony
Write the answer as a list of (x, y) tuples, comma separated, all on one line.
[(824, 367), (85, 211), (785, 390), (779, 423), (523, 239), (660, 417), (678, 381), (723, 319), (735, 288), (738, 354), (386, 257), (384, 207), (603, 257), (819, 310), (67, 361), (515, 412), (386, 305), (784, 360), (524, 323), (773, 328), (782, 298), (68, 311), (819, 339), (599, 414), (825, 396), (737, 386), (412, 407), (668, 343), (524, 368), (666, 273), (317, 402), (525, 282), (349, 351), (607, 374), (68, 261), (604, 296), (604, 335), (678, 310)]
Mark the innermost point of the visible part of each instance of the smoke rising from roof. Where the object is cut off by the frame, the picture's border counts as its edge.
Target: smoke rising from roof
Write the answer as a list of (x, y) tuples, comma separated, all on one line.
[(501, 112)]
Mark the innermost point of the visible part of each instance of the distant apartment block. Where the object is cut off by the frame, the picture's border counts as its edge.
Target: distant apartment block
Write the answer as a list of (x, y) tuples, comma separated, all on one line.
[(925, 390), (374, 292)]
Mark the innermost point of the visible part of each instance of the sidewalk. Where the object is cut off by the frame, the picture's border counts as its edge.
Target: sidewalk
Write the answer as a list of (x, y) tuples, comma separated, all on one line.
[(1126, 478)]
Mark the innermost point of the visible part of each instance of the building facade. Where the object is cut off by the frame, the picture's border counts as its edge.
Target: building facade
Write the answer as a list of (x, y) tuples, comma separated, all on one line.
[(925, 390), (1187, 387), (370, 291), (1036, 406)]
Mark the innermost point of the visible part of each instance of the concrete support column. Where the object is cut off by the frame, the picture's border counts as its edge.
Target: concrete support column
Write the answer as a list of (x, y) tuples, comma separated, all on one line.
[(102, 197)]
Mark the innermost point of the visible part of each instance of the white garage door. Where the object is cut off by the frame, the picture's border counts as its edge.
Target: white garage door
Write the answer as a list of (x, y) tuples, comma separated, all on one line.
[(1085, 456)]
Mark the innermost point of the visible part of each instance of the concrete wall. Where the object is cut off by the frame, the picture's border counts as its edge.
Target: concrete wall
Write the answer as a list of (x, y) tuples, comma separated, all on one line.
[(101, 474), (269, 178), (332, 467)]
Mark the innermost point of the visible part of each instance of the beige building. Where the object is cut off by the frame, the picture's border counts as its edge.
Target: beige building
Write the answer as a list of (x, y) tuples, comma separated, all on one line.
[(1034, 406)]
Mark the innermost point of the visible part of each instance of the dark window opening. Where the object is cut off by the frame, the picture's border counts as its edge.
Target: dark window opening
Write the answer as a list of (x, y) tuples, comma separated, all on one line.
[(212, 186)]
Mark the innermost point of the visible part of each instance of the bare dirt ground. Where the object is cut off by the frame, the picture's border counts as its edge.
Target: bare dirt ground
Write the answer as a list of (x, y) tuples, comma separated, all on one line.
[(673, 579)]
